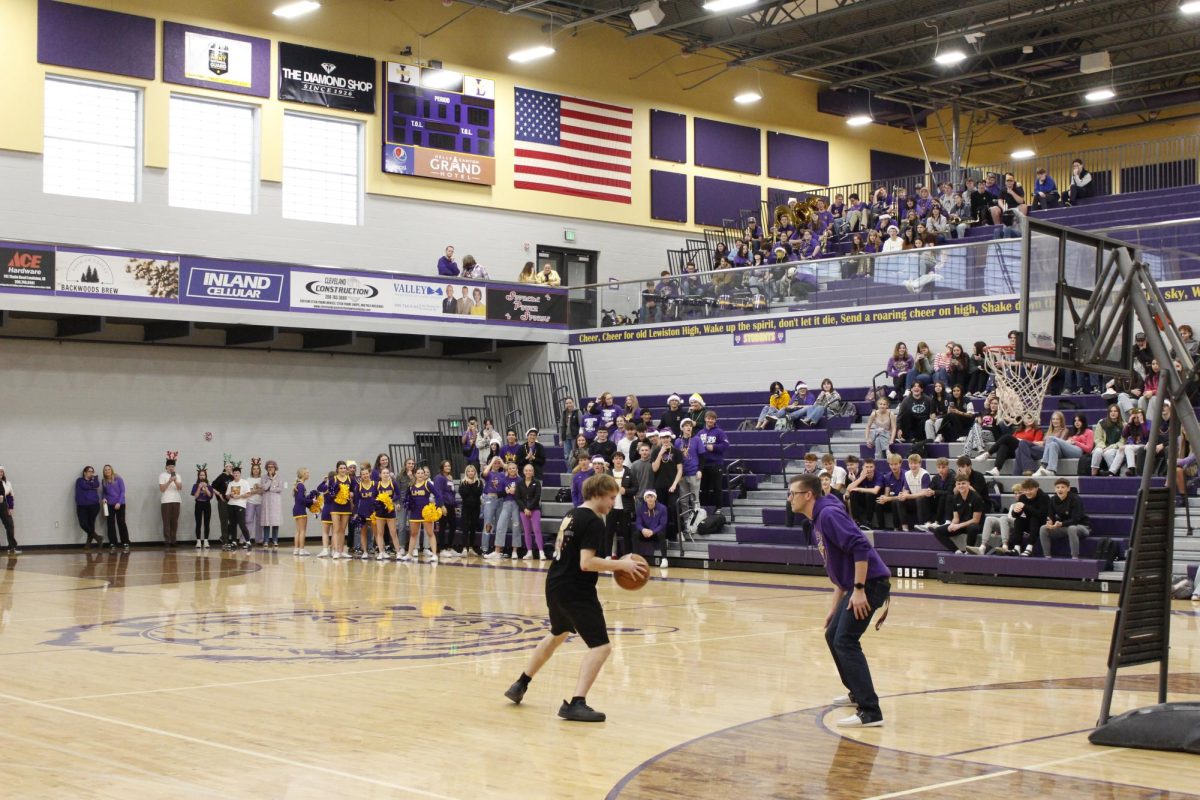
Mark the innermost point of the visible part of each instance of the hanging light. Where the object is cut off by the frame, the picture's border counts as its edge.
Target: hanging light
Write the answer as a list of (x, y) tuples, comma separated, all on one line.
[(858, 120), (298, 9), (531, 54), (1190, 7), (726, 5), (1022, 155), (948, 58), (1100, 95), (745, 98)]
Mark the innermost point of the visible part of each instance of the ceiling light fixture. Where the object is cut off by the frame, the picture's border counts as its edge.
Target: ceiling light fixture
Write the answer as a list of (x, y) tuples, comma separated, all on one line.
[(858, 120), (746, 98), (298, 9), (1099, 95), (1190, 7), (1022, 155), (531, 54), (716, 6), (950, 57)]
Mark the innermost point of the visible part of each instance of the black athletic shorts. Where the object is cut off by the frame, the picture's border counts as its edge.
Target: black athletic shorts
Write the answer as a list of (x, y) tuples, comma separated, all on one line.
[(582, 615)]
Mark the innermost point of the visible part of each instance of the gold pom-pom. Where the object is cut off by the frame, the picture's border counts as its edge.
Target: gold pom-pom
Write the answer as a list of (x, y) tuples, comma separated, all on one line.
[(385, 498), (343, 495), (431, 513), (317, 503)]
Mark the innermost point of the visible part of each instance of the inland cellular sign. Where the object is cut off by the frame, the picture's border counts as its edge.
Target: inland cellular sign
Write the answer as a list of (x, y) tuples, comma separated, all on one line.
[(439, 124)]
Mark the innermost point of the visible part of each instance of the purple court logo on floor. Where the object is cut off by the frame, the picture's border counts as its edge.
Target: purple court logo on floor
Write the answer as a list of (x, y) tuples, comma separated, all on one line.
[(400, 632)]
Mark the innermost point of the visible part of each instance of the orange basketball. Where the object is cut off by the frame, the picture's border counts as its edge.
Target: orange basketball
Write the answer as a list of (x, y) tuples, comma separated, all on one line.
[(630, 581)]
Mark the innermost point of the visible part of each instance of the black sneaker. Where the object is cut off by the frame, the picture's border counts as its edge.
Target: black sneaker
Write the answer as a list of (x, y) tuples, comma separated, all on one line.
[(517, 691), (580, 711)]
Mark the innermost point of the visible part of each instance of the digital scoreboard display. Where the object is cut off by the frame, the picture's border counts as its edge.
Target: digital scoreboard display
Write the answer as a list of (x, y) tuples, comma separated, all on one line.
[(439, 124)]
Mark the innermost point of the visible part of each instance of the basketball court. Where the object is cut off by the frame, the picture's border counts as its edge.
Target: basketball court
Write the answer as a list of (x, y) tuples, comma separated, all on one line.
[(186, 675)]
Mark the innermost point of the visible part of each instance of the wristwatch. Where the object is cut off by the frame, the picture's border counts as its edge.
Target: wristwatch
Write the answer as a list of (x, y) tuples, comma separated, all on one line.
[(860, 586)]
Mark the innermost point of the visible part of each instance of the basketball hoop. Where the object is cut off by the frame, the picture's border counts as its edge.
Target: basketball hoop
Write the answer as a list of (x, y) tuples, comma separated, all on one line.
[(1020, 386)]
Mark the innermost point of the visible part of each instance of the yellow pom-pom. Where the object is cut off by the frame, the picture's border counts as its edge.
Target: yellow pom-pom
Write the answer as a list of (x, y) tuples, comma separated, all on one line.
[(343, 495), (317, 503), (431, 513), (388, 504)]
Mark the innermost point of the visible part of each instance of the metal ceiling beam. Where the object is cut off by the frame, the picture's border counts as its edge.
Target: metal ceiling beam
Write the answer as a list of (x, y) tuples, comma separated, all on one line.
[(990, 51), (524, 6), (826, 16), (1139, 96), (602, 15), (706, 17), (1068, 6)]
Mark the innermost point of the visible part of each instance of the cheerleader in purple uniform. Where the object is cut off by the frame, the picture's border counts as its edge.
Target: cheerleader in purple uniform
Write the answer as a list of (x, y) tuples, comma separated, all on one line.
[(364, 508), (341, 505), (421, 494), (386, 498), (302, 503)]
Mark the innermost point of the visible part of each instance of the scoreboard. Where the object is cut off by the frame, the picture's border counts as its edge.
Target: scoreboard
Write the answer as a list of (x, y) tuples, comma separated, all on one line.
[(439, 124)]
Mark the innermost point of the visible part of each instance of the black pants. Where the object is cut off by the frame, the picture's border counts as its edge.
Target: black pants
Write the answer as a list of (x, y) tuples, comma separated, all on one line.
[(448, 528), (898, 382), (87, 521), (911, 428), (116, 524), (223, 520), (237, 519), (7, 521), (203, 520), (913, 512), (711, 485), (972, 532), (1075, 194), (865, 509), (470, 527), (1022, 532), (1003, 449), (843, 635), (616, 530)]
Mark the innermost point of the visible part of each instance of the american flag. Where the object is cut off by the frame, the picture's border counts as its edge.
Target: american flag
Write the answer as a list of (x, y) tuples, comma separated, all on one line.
[(572, 146)]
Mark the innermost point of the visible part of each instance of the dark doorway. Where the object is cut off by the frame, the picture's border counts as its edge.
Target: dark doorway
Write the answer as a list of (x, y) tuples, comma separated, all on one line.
[(576, 268)]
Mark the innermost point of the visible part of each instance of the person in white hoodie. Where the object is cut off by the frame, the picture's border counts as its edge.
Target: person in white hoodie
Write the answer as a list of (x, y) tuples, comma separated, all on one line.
[(893, 244)]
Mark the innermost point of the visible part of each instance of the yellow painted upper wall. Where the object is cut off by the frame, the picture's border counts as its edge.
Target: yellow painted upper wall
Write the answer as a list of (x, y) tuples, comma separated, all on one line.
[(596, 62)]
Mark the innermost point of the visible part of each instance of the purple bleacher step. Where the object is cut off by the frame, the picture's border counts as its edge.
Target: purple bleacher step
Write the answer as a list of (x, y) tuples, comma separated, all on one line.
[(1020, 566)]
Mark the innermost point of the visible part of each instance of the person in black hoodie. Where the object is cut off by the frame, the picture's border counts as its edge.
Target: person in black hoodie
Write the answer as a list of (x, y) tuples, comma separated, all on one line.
[(673, 416), (532, 452), (602, 446), (1028, 514), (568, 427), (1067, 518), (913, 413)]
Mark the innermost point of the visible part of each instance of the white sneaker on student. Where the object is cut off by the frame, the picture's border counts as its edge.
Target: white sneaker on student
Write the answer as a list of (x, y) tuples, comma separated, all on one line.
[(1041, 472), (982, 456), (381, 557), (302, 553), (199, 545), (324, 553), (528, 556), (663, 563), (842, 700), (492, 556), (856, 721), (994, 472), (427, 552), (433, 559)]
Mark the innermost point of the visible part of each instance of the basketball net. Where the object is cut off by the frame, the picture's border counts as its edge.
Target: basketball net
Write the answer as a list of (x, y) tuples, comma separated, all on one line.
[(1020, 386)]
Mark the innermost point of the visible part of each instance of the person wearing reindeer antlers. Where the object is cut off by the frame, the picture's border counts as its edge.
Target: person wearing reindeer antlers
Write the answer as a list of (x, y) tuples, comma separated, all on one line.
[(170, 488)]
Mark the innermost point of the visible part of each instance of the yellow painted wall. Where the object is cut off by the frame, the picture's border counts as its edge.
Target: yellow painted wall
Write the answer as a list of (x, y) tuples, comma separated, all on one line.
[(596, 62)]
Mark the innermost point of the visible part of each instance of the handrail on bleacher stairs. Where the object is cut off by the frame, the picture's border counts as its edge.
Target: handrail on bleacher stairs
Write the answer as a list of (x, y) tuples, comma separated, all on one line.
[(1117, 169)]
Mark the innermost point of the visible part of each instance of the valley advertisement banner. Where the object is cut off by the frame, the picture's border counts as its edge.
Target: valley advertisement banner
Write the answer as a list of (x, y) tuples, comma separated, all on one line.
[(326, 78)]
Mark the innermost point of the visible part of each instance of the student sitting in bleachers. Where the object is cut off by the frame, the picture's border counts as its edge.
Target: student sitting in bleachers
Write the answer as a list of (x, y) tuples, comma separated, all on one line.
[(923, 368), (1160, 447), (1028, 515), (1066, 518), (894, 485), (1045, 191), (941, 485), (881, 428), (862, 492), (1135, 433), (1077, 443), (776, 407), (1028, 452), (1108, 452), (912, 415), (966, 514), (810, 465), (915, 499), (960, 416), (837, 475), (997, 528)]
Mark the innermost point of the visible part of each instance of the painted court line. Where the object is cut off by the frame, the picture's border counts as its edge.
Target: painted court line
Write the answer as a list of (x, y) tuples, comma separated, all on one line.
[(241, 751), (987, 776)]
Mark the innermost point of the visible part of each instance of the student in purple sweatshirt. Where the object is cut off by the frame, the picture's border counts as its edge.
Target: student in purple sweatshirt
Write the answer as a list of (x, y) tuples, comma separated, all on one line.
[(112, 486), (855, 570), (583, 471), (651, 524), (87, 504), (713, 444), (689, 456), (510, 451)]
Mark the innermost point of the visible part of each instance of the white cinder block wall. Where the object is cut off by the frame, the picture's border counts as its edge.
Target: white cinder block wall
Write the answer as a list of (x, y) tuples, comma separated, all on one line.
[(74, 403)]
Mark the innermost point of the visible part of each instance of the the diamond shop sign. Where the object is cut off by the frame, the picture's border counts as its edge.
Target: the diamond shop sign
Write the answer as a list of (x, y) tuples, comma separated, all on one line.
[(326, 78)]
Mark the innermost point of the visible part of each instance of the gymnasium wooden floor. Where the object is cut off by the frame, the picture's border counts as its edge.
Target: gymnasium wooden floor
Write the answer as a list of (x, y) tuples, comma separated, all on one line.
[(176, 675)]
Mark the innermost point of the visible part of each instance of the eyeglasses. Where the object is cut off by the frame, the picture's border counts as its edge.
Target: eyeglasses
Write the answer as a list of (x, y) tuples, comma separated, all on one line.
[(792, 494)]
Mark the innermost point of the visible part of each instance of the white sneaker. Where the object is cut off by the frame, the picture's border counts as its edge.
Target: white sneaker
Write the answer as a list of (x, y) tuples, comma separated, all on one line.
[(855, 721), (406, 558), (982, 456), (492, 556), (401, 552), (541, 557), (1028, 551), (324, 553), (842, 700), (381, 557), (427, 552), (1039, 473), (206, 544), (433, 559), (199, 545), (663, 563), (994, 472), (528, 556), (464, 553), (303, 553), (513, 556)]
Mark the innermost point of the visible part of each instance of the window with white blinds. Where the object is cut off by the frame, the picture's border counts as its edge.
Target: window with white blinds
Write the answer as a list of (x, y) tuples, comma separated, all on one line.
[(322, 169), (214, 155), (92, 139)]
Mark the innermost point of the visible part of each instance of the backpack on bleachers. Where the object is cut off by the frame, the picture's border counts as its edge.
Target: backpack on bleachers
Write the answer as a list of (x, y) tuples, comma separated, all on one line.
[(563, 495), (711, 524), (1107, 551)]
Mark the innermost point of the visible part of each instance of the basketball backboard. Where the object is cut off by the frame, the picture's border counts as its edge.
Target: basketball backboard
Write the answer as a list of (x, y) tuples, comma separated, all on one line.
[(1061, 269)]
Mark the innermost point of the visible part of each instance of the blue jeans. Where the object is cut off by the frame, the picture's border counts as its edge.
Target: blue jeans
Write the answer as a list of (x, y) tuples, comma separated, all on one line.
[(491, 507), (913, 376), (1056, 448), (813, 414), (843, 636), (769, 411), (508, 522)]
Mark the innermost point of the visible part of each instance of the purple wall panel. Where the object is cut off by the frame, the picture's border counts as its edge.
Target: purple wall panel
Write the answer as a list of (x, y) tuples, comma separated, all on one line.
[(668, 196), (796, 158), (668, 136), (718, 200), (174, 36), (890, 165), (93, 38), (720, 145)]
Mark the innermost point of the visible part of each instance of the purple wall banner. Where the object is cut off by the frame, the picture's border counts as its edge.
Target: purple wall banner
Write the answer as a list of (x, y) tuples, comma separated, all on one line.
[(83, 37), (210, 59), (716, 200), (759, 337), (668, 196), (796, 158), (26, 267), (668, 136), (231, 284), (721, 145)]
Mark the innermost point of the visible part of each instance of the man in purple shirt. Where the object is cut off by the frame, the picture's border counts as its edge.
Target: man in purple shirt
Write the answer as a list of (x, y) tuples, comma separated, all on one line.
[(446, 264), (855, 570)]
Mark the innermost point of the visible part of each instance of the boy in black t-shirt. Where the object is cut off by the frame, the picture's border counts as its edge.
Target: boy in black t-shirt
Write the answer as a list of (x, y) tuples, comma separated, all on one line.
[(571, 596)]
